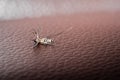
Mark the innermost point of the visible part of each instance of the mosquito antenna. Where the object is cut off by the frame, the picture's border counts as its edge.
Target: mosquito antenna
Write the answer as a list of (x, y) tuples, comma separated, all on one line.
[(39, 30), (34, 31)]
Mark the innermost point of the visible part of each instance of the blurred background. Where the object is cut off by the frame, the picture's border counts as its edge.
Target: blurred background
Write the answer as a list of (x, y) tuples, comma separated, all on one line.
[(17, 9)]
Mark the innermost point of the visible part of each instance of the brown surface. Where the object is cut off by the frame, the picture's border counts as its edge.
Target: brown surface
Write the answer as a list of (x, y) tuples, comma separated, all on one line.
[(91, 50)]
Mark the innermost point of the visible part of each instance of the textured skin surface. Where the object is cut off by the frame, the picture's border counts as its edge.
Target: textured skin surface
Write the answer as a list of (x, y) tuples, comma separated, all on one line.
[(91, 50)]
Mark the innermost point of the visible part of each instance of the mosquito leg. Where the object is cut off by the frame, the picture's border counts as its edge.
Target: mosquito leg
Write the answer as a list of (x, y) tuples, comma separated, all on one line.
[(36, 44)]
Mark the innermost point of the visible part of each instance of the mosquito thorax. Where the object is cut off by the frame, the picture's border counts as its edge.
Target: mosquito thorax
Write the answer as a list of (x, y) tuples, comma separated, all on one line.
[(46, 41)]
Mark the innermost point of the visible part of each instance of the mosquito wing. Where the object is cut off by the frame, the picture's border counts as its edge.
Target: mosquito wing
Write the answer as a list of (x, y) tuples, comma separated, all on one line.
[(56, 35)]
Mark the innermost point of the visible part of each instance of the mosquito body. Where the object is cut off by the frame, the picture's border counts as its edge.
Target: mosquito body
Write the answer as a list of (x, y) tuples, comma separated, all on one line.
[(42, 41), (45, 41)]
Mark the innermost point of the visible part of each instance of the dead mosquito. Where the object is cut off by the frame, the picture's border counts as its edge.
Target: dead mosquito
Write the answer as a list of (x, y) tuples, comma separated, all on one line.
[(45, 40)]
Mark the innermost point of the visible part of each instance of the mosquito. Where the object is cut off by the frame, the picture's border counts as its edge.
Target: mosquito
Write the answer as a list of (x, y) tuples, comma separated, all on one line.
[(45, 40)]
